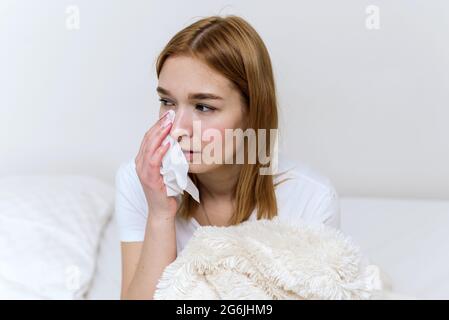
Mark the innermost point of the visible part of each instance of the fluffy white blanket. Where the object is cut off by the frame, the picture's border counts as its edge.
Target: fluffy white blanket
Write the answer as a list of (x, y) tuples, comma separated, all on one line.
[(270, 259)]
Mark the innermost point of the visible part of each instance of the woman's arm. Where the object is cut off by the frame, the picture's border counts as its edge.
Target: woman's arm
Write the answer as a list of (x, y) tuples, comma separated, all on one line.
[(144, 262)]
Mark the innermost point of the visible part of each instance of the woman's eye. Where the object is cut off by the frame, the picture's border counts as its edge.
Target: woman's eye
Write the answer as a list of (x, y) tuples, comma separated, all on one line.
[(165, 102), (204, 108), (200, 107)]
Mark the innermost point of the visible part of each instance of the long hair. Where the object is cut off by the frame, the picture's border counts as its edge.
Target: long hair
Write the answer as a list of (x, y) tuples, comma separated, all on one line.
[(231, 46)]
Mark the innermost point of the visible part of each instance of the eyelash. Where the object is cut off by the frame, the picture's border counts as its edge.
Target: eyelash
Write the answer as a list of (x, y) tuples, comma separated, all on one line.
[(164, 102)]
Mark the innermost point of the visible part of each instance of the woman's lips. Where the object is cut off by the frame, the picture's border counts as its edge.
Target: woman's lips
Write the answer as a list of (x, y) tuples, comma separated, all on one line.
[(190, 151), (189, 154)]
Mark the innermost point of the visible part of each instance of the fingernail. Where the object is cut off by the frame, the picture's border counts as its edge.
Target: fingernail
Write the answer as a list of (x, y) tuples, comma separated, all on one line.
[(165, 113), (166, 123)]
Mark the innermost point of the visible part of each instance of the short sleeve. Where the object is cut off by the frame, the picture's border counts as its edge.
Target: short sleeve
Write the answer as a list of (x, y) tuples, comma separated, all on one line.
[(328, 210), (130, 204), (304, 194)]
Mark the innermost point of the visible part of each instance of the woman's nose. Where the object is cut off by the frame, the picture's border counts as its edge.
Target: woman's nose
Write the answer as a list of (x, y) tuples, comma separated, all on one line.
[(182, 125)]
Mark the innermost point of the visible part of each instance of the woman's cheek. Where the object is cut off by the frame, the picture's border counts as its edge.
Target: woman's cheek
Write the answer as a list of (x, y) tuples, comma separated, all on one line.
[(214, 137)]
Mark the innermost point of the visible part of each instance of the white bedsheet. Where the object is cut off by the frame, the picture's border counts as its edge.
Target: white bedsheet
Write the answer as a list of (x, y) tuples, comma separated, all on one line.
[(408, 238)]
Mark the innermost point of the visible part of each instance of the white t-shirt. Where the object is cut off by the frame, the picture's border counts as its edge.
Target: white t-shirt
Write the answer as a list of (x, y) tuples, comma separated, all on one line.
[(306, 194)]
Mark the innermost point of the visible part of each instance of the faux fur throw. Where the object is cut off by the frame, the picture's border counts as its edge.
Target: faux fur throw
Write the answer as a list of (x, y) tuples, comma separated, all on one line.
[(269, 259)]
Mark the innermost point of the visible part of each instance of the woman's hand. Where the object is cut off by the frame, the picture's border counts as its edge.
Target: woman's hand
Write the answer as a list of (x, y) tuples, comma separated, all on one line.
[(148, 163)]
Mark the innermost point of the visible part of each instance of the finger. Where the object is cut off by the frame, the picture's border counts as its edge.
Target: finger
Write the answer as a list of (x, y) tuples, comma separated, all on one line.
[(148, 135), (154, 163), (157, 139), (142, 147), (156, 160), (157, 126)]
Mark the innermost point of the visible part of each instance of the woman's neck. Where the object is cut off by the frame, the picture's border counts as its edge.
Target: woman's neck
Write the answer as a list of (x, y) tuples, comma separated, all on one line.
[(220, 183)]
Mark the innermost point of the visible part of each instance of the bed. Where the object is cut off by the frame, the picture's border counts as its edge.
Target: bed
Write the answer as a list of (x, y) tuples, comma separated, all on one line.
[(75, 237)]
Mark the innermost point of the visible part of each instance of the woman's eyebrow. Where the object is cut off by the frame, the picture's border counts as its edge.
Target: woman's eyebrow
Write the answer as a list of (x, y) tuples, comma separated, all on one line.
[(163, 91), (193, 96), (204, 96)]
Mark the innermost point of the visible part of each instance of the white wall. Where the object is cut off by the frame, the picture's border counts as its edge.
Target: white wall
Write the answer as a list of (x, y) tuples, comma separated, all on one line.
[(368, 108)]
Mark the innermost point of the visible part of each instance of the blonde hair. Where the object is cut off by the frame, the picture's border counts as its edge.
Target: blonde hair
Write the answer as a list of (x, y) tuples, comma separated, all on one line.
[(230, 46)]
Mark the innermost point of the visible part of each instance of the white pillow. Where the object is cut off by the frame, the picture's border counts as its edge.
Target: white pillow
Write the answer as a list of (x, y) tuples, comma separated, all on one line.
[(107, 279), (50, 227)]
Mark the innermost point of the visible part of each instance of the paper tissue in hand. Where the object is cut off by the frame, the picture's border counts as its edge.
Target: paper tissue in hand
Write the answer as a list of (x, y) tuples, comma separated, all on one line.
[(175, 167)]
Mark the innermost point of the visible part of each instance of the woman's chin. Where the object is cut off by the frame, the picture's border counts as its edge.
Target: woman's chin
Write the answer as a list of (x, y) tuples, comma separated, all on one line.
[(201, 167)]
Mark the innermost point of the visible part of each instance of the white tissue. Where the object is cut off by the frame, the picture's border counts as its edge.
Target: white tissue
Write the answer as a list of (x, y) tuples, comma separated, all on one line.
[(175, 167)]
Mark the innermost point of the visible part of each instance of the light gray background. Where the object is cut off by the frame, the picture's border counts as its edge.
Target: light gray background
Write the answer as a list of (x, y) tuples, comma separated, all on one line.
[(368, 108)]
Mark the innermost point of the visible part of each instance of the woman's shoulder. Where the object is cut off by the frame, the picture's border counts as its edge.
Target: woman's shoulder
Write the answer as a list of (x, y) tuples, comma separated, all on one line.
[(126, 177), (130, 203), (302, 173), (126, 169), (304, 192)]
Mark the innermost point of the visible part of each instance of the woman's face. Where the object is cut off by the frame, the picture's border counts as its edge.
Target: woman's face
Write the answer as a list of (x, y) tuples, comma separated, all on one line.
[(205, 103)]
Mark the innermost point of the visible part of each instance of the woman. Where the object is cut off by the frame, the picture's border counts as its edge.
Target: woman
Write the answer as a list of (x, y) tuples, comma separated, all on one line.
[(216, 72)]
